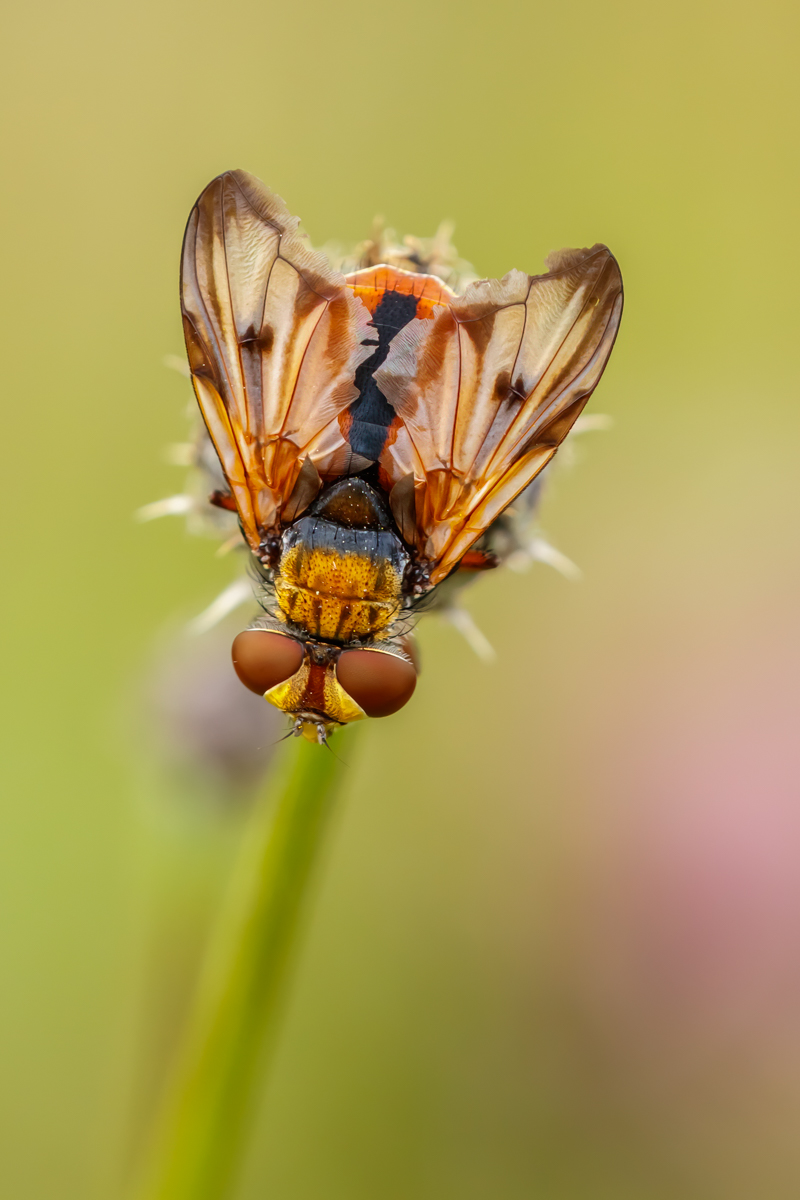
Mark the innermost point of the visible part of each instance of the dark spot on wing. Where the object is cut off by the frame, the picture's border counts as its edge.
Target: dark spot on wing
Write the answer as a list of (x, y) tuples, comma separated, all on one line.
[(306, 300), (258, 341), (505, 391), (502, 386), (480, 332), (201, 363)]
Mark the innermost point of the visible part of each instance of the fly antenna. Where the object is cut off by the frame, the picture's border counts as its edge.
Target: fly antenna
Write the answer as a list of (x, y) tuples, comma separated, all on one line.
[(323, 741), (277, 742)]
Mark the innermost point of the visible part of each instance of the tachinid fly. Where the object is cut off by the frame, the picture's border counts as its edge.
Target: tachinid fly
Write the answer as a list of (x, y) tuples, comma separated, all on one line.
[(373, 428)]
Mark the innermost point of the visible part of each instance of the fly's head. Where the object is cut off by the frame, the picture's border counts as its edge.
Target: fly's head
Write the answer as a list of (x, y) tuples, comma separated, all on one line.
[(321, 686)]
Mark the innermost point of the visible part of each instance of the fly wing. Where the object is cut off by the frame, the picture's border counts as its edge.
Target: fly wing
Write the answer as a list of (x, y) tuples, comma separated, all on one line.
[(274, 338), (489, 388)]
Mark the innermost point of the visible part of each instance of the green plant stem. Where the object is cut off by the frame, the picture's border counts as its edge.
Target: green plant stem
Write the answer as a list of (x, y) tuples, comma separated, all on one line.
[(200, 1132)]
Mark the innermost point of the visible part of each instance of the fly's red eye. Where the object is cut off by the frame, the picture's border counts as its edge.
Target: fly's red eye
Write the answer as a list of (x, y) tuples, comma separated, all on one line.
[(262, 659), (379, 683)]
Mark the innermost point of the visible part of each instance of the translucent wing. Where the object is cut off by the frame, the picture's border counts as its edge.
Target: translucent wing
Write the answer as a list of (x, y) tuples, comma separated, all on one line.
[(488, 388), (274, 338)]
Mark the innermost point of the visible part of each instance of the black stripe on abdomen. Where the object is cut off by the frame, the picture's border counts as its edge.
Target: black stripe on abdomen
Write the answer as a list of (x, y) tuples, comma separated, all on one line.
[(371, 413)]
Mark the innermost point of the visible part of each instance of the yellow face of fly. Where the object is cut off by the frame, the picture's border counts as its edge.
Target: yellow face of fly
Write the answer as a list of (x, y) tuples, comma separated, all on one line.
[(314, 688)]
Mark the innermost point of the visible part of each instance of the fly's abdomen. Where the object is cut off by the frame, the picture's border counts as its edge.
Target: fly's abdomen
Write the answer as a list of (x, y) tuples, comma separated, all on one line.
[(337, 597), (337, 584)]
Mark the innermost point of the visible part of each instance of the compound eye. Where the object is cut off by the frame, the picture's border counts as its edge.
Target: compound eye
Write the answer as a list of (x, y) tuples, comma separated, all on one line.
[(262, 659), (380, 683)]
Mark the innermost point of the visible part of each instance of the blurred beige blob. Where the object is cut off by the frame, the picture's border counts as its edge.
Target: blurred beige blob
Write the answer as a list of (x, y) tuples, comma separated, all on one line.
[(207, 730)]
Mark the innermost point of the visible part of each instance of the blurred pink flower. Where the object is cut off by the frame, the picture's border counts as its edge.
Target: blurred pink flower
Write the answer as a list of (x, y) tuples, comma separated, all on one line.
[(691, 909)]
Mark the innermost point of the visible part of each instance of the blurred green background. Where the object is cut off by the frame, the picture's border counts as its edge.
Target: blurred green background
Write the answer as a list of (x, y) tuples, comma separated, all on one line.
[(556, 950)]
